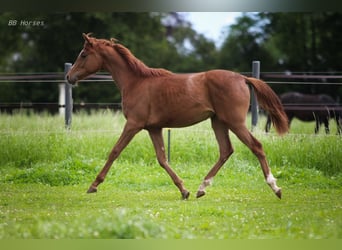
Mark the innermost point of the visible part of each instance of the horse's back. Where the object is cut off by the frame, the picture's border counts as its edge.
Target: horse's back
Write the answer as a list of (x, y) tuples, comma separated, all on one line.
[(184, 99), (227, 84), (306, 107), (299, 98)]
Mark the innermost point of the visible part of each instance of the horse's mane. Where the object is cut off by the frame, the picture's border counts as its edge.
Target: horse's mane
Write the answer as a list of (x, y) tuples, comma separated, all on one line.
[(134, 63)]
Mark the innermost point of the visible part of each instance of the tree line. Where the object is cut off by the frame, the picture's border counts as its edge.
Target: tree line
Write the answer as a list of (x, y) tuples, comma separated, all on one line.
[(283, 42)]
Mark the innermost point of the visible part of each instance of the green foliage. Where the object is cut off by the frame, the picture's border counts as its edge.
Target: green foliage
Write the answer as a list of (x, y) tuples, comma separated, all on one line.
[(46, 47), (55, 156), (45, 171), (313, 33), (168, 40), (245, 40), (54, 222), (293, 42)]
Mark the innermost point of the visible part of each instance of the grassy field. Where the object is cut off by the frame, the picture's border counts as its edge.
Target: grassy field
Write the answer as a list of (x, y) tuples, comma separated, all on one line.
[(45, 171)]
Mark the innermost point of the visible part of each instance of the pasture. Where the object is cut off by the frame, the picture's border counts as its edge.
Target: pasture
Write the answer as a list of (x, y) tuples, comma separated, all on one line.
[(45, 171)]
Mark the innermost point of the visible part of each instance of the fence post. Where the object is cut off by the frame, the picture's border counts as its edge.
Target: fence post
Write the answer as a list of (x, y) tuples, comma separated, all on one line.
[(254, 101), (68, 98), (61, 99), (168, 145)]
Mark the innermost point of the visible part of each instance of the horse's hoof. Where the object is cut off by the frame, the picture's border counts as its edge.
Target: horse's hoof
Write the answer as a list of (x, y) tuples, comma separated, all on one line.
[(185, 195), (200, 194), (278, 193), (92, 190)]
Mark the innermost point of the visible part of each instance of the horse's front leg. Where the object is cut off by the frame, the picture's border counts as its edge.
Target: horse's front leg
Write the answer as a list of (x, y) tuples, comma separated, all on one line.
[(226, 149), (338, 119), (268, 124), (317, 126), (326, 125), (158, 143), (126, 136)]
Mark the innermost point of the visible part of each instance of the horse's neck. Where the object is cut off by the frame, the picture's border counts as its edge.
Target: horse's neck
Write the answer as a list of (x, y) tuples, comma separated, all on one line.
[(121, 75)]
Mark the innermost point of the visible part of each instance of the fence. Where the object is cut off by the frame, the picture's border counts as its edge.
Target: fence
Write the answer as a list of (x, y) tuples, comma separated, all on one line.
[(69, 102), (66, 105), (302, 78), (64, 89)]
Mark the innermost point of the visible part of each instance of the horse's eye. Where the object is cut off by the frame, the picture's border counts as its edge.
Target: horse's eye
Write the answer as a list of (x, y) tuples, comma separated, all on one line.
[(83, 55)]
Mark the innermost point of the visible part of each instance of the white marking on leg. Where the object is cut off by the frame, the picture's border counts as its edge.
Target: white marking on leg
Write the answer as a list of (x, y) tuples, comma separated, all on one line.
[(205, 183), (272, 182)]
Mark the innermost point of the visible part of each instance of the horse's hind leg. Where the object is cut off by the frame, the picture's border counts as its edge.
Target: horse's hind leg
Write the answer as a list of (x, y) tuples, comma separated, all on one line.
[(338, 119), (255, 146), (268, 124), (326, 125), (318, 124), (158, 143), (226, 149)]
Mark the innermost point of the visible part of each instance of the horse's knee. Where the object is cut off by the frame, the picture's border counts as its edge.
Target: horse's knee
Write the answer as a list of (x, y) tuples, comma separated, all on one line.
[(231, 151), (225, 155), (162, 162)]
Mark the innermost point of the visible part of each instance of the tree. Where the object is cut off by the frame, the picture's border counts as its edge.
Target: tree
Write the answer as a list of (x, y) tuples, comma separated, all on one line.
[(295, 42), (307, 41), (46, 47), (194, 52), (244, 44)]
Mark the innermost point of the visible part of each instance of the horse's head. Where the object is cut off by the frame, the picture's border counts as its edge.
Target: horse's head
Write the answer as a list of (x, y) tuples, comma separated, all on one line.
[(88, 61)]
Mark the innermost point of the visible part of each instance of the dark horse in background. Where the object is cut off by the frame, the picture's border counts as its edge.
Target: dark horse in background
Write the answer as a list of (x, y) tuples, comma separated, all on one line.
[(318, 108), (156, 98)]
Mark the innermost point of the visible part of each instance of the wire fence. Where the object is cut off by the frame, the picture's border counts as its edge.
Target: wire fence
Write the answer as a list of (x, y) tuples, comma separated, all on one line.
[(281, 78)]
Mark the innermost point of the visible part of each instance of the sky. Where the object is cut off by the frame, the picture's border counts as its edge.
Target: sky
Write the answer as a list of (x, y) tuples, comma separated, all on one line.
[(212, 24)]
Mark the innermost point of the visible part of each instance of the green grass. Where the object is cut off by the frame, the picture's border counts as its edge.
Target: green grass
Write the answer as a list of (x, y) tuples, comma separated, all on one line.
[(45, 171)]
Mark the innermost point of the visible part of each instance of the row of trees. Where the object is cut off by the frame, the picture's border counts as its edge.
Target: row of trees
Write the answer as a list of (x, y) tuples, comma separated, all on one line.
[(43, 42)]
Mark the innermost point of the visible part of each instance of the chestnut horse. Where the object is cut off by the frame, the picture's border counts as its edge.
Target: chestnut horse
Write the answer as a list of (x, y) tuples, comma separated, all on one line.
[(156, 98)]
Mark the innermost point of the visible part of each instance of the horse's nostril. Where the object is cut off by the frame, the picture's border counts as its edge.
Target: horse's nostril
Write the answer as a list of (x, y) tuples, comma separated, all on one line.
[(68, 78)]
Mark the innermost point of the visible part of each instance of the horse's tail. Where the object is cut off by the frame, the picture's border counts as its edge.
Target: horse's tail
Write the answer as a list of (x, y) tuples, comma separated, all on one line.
[(269, 101)]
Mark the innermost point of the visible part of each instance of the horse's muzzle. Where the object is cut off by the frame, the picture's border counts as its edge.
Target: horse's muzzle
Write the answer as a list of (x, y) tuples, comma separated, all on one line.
[(71, 80)]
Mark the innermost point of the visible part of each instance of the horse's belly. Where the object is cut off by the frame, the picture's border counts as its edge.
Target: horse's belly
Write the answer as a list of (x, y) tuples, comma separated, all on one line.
[(310, 115), (182, 117), (188, 120), (305, 116)]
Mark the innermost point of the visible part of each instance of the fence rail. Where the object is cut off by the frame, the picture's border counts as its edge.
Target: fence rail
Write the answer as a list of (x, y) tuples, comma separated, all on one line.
[(56, 106), (296, 78), (50, 77), (10, 107)]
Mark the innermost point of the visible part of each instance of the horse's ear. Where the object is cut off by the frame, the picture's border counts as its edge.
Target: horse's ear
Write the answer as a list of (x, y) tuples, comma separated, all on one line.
[(87, 38), (114, 40)]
